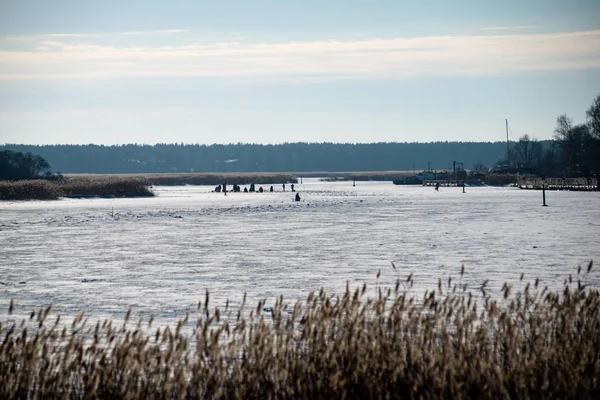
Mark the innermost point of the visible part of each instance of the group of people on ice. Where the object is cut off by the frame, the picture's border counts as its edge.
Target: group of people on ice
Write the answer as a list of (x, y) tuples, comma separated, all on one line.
[(236, 189)]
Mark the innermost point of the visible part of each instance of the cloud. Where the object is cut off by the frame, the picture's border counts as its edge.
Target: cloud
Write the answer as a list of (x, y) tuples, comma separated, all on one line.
[(67, 35), (512, 28), (159, 32), (32, 38), (73, 57)]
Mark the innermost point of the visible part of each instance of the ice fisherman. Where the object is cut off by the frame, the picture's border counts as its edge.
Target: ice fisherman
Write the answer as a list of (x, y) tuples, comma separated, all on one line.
[(297, 198)]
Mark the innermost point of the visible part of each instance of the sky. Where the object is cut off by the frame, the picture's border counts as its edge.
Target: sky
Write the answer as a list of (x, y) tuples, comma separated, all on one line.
[(274, 71)]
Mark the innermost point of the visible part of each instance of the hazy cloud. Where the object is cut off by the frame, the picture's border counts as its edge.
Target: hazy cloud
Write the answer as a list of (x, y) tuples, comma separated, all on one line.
[(512, 28), (67, 35), (72, 57), (32, 38), (160, 32)]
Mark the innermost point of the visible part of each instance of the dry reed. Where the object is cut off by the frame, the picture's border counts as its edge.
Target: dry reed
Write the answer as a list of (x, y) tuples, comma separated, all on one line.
[(106, 186), (449, 343), (201, 178), (25, 190), (75, 187)]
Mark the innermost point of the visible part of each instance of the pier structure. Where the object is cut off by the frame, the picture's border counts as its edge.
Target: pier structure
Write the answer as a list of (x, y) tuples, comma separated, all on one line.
[(575, 184), (442, 183)]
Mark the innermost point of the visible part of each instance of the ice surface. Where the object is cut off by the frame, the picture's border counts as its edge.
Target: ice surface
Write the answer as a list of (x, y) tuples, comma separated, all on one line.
[(158, 255)]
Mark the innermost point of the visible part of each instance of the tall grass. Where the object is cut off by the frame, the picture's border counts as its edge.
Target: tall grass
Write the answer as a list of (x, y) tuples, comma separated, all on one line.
[(106, 186), (451, 343), (201, 178), (25, 190), (75, 187), (499, 179), (362, 175)]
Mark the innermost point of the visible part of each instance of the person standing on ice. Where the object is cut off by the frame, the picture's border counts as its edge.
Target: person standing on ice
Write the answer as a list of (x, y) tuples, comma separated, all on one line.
[(292, 187), (437, 186), (225, 188), (283, 187)]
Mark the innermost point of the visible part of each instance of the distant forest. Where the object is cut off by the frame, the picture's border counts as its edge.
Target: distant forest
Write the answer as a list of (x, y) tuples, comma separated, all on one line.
[(288, 157)]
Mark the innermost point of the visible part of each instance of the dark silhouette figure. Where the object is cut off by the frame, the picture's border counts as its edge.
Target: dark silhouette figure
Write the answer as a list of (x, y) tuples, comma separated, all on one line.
[(252, 188), (293, 188), (271, 189), (297, 197), (245, 189), (283, 187), (437, 186), (260, 189)]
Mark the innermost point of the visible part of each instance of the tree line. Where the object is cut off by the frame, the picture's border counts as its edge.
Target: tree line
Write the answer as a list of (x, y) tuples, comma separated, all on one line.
[(573, 152), (286, 157), (15, 166)]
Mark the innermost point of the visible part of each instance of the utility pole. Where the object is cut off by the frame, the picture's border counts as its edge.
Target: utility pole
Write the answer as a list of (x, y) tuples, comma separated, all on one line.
[(454, 169), (454, 163), (544, 192), (507, 145)]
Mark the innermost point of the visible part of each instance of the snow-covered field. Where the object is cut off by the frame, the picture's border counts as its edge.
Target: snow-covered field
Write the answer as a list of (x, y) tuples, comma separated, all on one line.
[(159, 255)]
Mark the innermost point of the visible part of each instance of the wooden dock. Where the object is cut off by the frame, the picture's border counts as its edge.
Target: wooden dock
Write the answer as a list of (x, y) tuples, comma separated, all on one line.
[(575, 184)]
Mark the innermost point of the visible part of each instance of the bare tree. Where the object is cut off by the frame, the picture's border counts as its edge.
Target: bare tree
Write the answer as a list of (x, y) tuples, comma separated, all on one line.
[(593, 120), (576, 145), (564, 124), (527, 152), (593, 117)]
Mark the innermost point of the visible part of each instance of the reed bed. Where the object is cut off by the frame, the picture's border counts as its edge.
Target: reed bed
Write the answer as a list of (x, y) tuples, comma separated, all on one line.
[(106, 186), (75, 187), (197, 178), (362, 175), (499, 179), (26, 190), (449, 343)]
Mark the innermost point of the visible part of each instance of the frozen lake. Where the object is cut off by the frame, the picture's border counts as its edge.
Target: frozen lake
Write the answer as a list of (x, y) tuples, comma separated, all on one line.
[(159, 255)]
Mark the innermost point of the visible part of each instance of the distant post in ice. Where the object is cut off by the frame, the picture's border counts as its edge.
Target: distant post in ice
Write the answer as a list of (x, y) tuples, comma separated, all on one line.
[(544, 195), (301, 180), (454, 170), (354, 181)]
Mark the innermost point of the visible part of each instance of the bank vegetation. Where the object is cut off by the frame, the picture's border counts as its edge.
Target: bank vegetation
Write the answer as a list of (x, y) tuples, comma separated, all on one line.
[(452, 342), (41, 189)]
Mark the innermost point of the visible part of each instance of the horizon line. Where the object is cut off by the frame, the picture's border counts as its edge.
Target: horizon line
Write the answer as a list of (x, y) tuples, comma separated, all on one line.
[(260, 144)]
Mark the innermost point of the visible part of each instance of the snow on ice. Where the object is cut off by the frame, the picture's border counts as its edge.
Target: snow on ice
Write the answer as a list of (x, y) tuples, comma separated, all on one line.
[(159, 255)]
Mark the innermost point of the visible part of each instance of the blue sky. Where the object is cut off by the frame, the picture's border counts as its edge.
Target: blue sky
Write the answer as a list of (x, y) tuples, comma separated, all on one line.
[(281, 71)]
